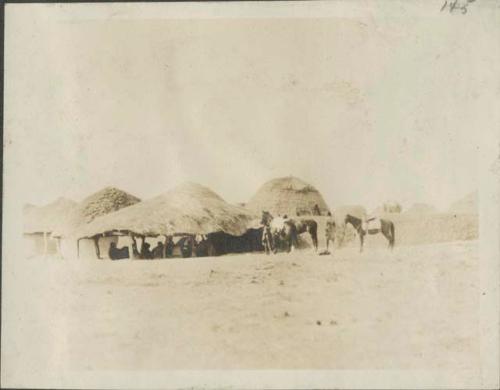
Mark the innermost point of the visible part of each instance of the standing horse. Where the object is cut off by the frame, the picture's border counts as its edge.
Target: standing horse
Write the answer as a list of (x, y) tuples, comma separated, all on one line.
[(288, 230), (267, 239), (310, 226), (387, 229)]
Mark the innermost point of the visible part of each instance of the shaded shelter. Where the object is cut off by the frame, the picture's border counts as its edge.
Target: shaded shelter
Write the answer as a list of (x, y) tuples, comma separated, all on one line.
[(98, 204), (185, 211)]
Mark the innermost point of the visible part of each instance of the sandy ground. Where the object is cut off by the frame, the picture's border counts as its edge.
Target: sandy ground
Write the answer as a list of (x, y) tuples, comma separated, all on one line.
[(413, 308)]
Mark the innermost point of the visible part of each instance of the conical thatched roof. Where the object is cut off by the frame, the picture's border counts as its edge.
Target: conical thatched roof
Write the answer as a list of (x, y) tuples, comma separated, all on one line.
[(287, 195), (188, 209), (44, 219), (467, 205), (101, 203)]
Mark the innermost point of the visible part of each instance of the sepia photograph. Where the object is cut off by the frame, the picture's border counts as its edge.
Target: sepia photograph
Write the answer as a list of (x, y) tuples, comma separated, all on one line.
[(253, 195)]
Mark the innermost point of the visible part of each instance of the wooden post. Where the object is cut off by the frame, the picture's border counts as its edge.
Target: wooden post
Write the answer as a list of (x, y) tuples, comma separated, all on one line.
[(164, 254), (58, 244), (135, 249), (96, 245), (192, 243), (44, 243)]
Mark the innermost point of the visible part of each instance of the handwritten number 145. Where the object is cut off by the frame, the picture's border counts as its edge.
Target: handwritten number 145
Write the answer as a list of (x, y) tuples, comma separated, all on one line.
[(454, 5)]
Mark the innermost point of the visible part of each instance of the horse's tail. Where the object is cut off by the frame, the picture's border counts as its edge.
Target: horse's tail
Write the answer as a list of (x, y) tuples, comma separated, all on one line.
[(393, 235)]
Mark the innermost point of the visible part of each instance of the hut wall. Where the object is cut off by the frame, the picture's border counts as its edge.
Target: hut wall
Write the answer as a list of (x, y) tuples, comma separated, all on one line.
[(87, 247), (34, 245)]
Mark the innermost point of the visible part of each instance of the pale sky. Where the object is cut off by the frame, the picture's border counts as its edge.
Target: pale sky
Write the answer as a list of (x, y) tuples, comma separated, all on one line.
[(366, 109)]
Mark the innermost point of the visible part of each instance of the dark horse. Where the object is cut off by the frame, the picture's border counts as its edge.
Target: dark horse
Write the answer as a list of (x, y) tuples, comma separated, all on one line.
[(310, 226), (387, 229), (288, 231)]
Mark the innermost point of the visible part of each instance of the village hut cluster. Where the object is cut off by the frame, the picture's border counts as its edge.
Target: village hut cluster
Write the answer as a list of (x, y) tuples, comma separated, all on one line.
[(188, 221), (193, 221)]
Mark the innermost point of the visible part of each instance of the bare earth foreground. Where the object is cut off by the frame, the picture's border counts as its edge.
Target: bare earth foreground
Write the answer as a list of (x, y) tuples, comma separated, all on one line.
[(416, 307)]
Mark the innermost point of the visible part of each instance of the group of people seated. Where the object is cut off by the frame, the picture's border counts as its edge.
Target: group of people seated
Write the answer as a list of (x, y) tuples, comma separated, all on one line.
[(160, 251)]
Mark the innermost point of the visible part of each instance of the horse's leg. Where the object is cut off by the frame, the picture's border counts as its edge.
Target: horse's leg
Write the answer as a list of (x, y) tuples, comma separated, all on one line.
[(393, 235), (275, 244), (314, 236), (387, 235), (361, 240), (295, 240)]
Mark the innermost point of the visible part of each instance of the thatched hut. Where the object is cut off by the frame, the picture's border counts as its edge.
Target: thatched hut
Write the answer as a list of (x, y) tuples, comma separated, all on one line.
[(288, 195), (98, 204), (186, 211), (40, 222)]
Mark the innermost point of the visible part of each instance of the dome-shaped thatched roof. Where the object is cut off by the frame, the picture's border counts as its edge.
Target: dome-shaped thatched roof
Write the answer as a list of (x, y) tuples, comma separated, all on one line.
[(44, 219), (188, 209), (101, 203), (287, 195)]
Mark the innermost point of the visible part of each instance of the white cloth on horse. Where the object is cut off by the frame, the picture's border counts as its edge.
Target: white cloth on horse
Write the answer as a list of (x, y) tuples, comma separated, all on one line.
[(199, 238), (277, 224), (371, 222)]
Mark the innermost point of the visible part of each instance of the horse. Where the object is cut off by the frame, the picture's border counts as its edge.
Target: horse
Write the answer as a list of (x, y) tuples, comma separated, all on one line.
[(287, 230), (268, 240), (387, 229), (310, 226)]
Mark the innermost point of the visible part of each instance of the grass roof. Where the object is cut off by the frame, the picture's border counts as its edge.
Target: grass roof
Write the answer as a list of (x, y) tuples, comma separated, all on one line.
[(103, 202), (188, 209), (287, 195)]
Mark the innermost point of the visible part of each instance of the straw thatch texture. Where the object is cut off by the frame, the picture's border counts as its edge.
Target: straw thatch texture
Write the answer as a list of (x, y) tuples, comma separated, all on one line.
[(44, 219), (287, 195), (101, 203), (187, 209)]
